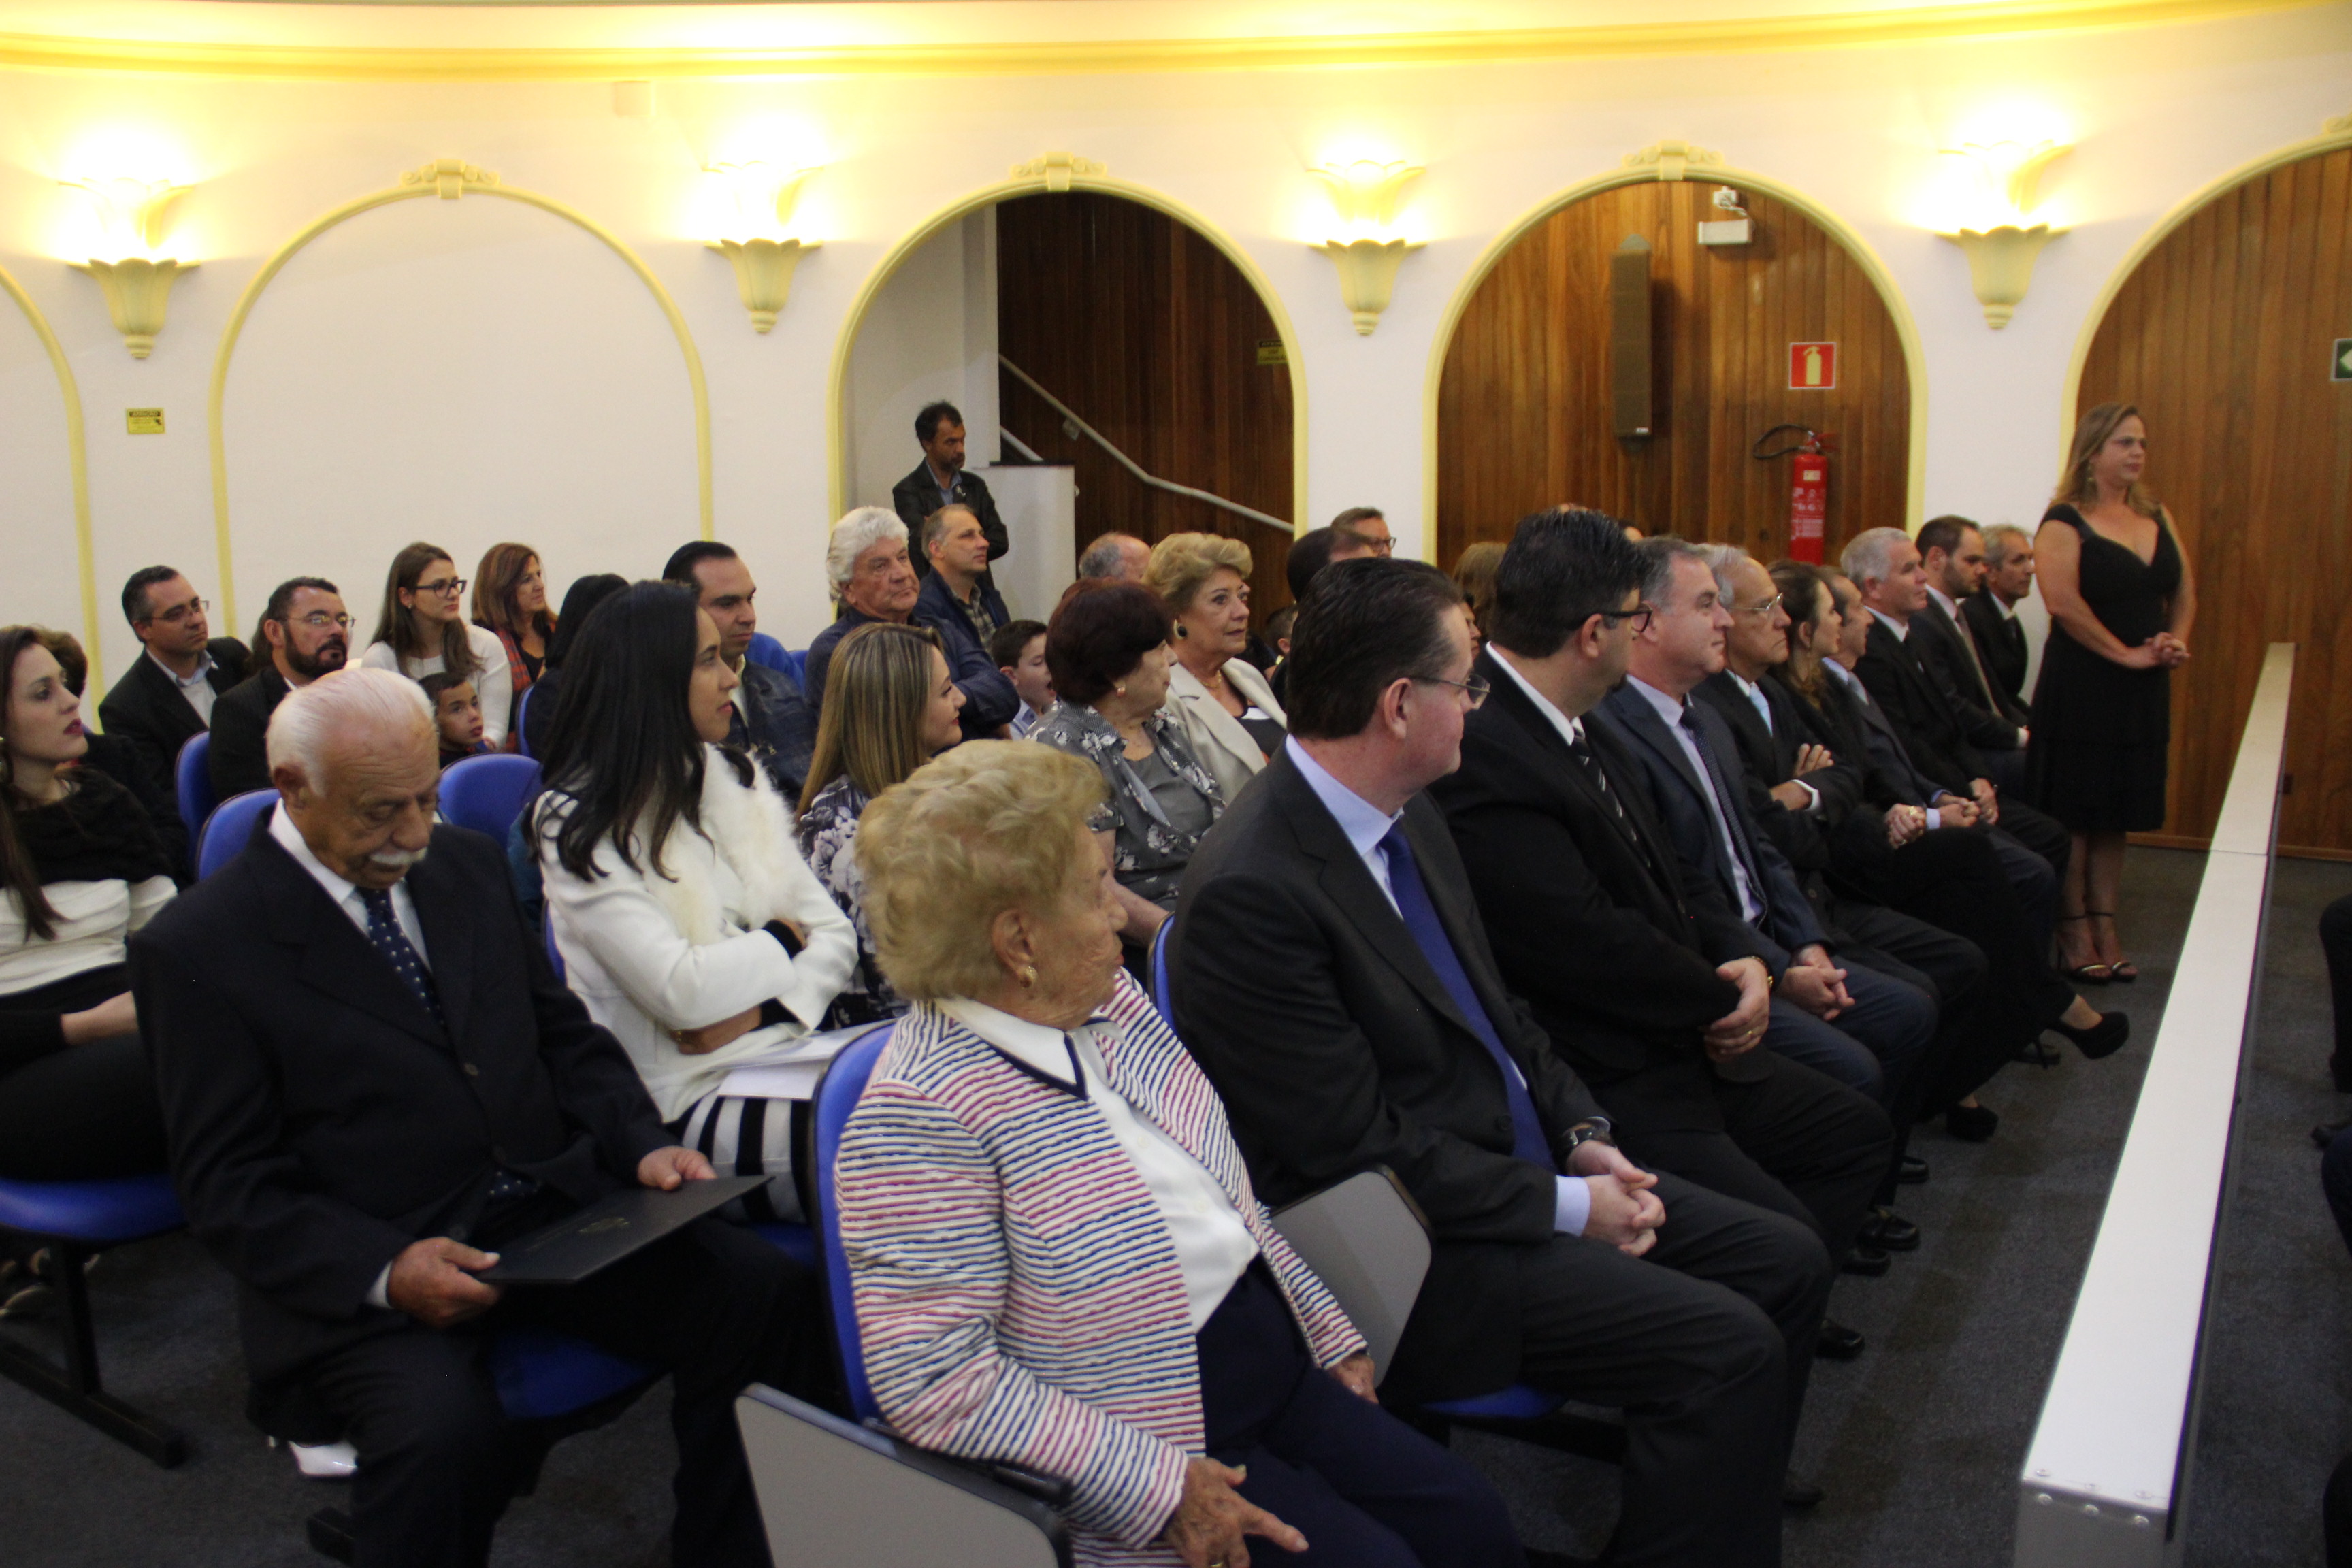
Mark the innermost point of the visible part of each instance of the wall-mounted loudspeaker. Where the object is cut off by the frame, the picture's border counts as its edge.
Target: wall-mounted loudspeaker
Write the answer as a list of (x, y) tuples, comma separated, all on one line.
[(1629, 337)]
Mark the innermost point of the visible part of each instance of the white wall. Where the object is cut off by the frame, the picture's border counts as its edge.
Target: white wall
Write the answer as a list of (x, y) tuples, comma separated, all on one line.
[(2153, 113), (931, 333)]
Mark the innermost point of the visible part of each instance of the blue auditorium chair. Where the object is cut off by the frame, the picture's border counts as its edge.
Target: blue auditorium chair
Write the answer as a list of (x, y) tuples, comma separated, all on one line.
[(767, 650), (521, 721), (74, 1220), (192, 781), (1161, 994), (487, 793), (229, 828)]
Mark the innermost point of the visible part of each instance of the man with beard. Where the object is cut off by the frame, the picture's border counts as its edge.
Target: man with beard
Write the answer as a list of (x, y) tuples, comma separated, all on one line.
[(304, 634)]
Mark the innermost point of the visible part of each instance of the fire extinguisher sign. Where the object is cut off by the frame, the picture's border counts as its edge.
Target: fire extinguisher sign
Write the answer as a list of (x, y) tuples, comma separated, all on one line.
[(1812, 367)]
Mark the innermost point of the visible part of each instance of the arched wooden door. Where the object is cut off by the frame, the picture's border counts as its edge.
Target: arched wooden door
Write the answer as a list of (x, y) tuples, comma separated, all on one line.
[(2227, 337), (1524, 409)]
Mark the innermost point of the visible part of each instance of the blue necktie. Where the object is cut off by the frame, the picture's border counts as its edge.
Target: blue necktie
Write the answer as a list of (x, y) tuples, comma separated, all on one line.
[(386, 937), (1528, 1141)]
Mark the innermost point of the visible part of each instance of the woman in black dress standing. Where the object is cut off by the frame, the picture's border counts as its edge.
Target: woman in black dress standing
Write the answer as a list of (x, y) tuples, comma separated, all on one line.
[(2121, 603)]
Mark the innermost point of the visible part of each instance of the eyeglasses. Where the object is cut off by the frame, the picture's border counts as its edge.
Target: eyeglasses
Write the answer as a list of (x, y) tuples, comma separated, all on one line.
[(318, 621), (1639, 616), (1383, 546), (453, 586), (1762, 609), (1473, 688), (179, 613)]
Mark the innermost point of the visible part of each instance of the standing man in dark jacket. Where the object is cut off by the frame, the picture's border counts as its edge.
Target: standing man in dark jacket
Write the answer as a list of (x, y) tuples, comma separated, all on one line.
[(166, 699), (939, 481), (1992, 614), (958, 603), (371, 1082), (772, 722), (1331, 970), (305, 633)]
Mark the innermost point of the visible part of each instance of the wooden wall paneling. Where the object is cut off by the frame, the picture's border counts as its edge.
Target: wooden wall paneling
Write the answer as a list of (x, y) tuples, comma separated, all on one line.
[(2220, 337), (1151, 336), (1523, 410)]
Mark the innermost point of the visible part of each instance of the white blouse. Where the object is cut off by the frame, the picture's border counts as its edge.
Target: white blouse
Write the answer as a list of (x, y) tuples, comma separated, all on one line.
[(93, 920), (493, 680)]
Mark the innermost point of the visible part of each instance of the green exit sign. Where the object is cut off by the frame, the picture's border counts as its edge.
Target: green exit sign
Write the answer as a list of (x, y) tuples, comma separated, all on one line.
[(2340, 367)]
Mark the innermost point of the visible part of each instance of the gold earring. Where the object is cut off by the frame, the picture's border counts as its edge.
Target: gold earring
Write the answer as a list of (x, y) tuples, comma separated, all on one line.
[(1028, 975), (1120, 687)]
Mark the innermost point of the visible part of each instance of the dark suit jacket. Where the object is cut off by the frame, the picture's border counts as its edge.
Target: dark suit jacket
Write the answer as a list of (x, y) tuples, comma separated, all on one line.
[(1914, 704), (1585, 914), (1767, 756), (1942, 644), (2000, 642), (145, 708), (777, 726), (239, 758), (1679, 796), (989, 700), (914, 498), (1337, 1047), (320, 1120)]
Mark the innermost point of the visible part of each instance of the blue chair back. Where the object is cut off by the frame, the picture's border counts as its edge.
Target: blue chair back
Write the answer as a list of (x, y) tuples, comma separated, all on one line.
[(1159, 992), (228, 830), (192, 781), (522, 720), (486, 794), (837, 1097), (555, 954), (541, 1375), (798, 666), (767, 650)]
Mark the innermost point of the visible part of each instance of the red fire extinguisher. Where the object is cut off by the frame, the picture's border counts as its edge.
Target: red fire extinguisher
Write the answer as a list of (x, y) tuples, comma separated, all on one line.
[(1809, 486)]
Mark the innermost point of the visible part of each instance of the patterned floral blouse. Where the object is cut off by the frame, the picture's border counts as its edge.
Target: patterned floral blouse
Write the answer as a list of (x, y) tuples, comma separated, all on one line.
[(1151, 849), (828, 833)]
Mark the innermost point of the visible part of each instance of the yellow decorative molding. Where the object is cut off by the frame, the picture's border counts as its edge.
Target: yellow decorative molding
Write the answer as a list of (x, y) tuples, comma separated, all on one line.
[(1925, 24), (138, 291), (2340, 125), (1906, 330), (1058, 169), (1084, 176), (431, 180), (1669, 160), (764, 274), (78, 466), (2001, 264), (1368, 270)]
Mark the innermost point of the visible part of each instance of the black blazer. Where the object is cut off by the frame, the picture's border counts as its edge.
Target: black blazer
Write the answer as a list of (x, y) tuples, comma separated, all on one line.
[(916, 497), (1769, 757), (240, 756), (320, 1121), (148, 710), (2000, 642), (1586, 912), (1917, 709), (1679, 796), (1336, 1047), (1942, 644)]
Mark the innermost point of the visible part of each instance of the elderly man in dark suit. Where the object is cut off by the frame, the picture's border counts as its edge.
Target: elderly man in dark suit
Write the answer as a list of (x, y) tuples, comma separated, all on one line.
[(940, 479), (166, 699), (1992, 614), (372, 1080), (772, 720), (1331, 973), (958, 603)]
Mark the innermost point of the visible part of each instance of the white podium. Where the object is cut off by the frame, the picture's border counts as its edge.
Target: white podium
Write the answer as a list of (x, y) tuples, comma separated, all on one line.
[(1039, 504)]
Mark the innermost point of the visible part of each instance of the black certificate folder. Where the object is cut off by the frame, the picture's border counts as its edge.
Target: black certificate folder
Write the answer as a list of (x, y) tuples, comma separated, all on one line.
[(608, 1230)]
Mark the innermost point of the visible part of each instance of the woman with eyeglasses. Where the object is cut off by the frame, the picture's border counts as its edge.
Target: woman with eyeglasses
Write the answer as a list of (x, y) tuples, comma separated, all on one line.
[(422, 631)]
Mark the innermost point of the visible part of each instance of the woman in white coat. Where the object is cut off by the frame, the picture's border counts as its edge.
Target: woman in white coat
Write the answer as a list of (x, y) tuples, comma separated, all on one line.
[(687, 921), (1230, 715)]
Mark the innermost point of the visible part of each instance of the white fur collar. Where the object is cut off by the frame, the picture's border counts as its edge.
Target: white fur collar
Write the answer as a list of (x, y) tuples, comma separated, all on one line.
[(747, 829)]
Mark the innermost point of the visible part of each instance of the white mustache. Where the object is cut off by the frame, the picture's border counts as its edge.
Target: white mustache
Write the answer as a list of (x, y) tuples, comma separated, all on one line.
[(399, 860)]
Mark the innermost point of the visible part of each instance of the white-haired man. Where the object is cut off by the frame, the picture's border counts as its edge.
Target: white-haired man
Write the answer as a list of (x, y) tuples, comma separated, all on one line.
[(866, 565), (372, 1080), (1115, 554)]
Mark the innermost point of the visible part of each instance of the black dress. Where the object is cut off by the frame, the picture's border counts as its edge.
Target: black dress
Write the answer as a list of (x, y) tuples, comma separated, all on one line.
[(2097, 758)]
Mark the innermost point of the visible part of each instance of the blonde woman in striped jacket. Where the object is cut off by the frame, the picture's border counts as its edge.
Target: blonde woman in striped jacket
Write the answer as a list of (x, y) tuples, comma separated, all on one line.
[(1057, 1258)]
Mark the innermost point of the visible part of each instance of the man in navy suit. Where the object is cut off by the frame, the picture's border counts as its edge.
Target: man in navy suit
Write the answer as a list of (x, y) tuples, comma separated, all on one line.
[(372, 1080)]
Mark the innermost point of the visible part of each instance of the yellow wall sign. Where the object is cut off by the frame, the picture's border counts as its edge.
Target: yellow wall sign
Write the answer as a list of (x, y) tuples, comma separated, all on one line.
[(1269, 351), (144, 421)]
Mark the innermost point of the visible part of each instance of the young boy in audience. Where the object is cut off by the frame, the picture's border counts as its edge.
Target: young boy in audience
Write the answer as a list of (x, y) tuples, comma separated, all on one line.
[(1018, 648), (457, 714)]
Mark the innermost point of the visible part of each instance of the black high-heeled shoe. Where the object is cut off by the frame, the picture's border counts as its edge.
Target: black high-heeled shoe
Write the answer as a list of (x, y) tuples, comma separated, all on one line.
[(2104, 1039)]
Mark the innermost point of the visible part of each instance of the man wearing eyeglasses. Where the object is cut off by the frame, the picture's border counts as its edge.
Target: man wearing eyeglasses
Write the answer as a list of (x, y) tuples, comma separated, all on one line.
[(1360, 531), (306, 634), (167, 697)]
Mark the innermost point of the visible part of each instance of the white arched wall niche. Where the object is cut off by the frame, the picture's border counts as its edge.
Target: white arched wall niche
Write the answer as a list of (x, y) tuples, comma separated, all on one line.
[(560, 402), (1678, 161), (45, 501), (1054, 172)]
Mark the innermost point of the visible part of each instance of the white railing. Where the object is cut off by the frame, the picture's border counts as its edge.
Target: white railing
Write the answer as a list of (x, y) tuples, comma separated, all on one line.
[(2106, 1481), (1077, 427)]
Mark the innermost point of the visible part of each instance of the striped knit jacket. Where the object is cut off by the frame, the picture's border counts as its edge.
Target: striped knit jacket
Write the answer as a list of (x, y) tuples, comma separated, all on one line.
[(1018, 1294)]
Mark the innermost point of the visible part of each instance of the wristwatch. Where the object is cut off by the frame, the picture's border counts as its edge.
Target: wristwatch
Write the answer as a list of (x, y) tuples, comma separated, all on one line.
[(1592, 1130)]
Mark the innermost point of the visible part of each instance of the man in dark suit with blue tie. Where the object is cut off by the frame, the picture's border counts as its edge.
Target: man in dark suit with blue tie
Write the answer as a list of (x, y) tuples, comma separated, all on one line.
[(1331, 973), (372, 1080)]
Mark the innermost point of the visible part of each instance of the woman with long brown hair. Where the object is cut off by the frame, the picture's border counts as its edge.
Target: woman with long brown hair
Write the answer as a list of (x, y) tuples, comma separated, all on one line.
[(2122, 602), (510, 600), (421, 630)]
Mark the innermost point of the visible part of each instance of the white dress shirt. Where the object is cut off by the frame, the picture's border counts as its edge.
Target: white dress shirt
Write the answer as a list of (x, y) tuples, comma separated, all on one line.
[(1365, 825), (196, 688), (1213, 1246), (1754, 692), (1670, 709), (346, 895)]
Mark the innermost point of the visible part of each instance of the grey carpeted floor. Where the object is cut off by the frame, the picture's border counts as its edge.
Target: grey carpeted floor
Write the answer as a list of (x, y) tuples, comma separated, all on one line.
[(1918, 1442)]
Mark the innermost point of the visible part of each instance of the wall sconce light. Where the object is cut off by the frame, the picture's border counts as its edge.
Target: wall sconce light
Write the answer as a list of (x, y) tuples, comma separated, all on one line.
[(137, 283), (2001, 241), (762, 197), (1366, 252)]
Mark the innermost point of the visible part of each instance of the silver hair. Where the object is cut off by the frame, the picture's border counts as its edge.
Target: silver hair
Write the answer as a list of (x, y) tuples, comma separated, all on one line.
[(357, 698), (1103, 558), (2002, 539), (859, 531), (1658, 557), (1870, 555), (1723, 560)]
